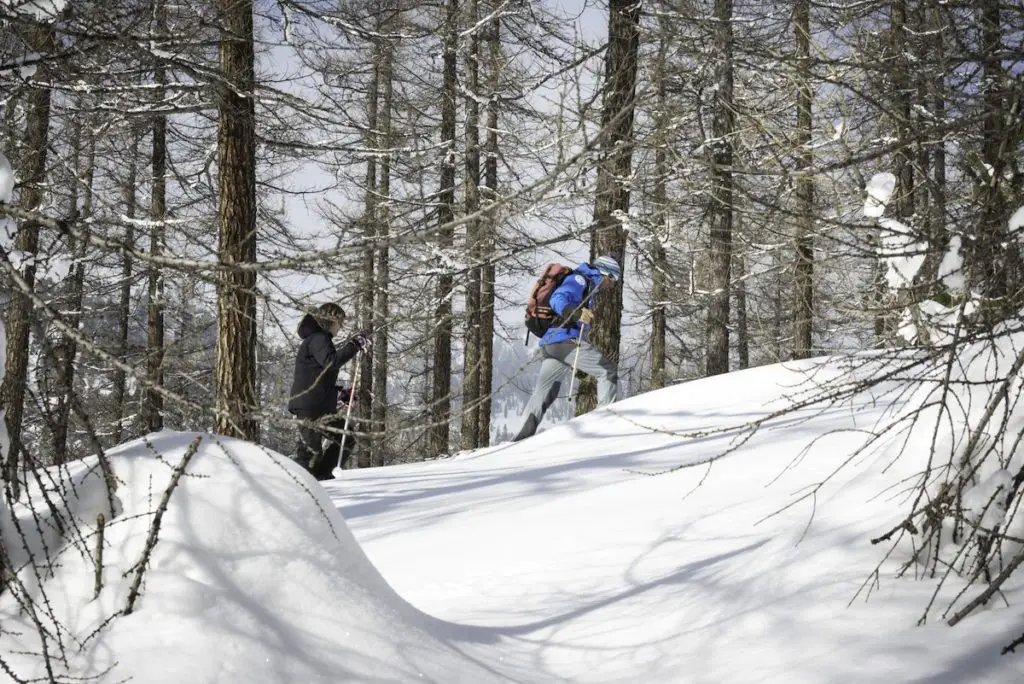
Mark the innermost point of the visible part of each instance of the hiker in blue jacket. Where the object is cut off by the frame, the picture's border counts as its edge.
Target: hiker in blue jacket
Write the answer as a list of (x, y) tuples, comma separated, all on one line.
[(572, 301)]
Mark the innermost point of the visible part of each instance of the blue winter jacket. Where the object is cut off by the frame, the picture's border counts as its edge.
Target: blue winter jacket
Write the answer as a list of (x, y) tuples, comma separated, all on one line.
[(567, 297)]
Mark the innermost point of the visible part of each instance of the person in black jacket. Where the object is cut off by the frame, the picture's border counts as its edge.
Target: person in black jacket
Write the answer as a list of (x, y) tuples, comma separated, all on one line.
[(314, 395)]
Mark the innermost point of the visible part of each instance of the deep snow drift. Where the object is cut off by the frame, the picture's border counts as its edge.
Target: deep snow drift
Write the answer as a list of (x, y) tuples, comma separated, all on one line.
[(255, 578)]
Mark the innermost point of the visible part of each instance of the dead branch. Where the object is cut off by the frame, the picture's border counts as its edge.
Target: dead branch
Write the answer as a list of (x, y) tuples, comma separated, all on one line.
[(98, 583), (991, 589), (154, 529)]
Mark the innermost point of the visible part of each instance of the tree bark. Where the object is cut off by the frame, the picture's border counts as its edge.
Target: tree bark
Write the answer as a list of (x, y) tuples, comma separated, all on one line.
[(903, 162), (779, 308), (472, 357), (938, 106), (997, 260), (659, 260), (151, 411), (720, 211), (67, 351), (742, 329), (381, 302), (367, 290), (803, 268), (487, 234), (236, 175), (32, 169), (442, 358), (124, 307)]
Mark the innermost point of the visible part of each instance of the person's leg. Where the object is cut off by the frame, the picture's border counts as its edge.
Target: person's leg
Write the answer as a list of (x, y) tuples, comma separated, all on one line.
[(595, 364), (309, 443), (329, 459), (549, 383), (346, 455)]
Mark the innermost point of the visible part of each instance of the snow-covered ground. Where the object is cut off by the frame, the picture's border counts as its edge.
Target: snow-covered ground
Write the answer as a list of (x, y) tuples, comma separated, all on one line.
[(585, 554)]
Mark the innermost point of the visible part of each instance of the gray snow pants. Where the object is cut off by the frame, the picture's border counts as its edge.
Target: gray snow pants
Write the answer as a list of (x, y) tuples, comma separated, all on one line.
[(556, 364)]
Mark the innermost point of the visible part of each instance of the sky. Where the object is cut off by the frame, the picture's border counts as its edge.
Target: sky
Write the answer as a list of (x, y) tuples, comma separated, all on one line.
[(655, 540)]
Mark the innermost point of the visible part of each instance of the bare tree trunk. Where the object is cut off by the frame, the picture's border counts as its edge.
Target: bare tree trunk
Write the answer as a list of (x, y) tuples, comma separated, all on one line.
[(125, 304), (994, 260), (922, 162), (720, 211), (367, 290), (659, 260), (779, 306), (236, 289), (472, 357), (904, 159), (926, 36), (659, 320), (487, 233), (67, 351), (151, 410), (879, 293), (803, 269), (612, 191), (742, 330), (32, 168), (938, 104), (442, 358), (379, 402)]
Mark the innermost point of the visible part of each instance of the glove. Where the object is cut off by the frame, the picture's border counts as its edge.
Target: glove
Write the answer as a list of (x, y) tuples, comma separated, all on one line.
[(344, 394), (586, 317), (362, 339)]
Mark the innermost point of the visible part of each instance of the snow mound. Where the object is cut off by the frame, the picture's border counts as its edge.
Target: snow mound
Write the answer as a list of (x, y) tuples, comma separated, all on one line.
[(255, 578)]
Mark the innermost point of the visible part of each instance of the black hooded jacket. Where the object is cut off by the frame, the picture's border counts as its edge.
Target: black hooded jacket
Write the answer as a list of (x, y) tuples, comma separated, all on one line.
[(316, 370)]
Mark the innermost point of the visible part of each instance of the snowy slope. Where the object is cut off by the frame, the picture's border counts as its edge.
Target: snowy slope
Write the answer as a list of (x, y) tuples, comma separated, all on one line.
[(590, 569), (581, 555)]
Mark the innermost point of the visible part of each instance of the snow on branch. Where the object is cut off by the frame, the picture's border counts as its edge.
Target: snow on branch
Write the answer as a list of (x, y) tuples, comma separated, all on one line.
[(903, 252)]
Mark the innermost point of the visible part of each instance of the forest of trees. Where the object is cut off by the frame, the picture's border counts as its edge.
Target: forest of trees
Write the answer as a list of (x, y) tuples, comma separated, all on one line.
[(194, 176)]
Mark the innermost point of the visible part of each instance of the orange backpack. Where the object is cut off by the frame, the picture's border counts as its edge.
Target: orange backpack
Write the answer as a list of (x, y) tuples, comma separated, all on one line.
[(539, 314)]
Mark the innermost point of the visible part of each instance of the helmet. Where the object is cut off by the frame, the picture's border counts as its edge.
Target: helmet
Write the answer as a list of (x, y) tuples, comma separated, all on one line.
[(608, 266)]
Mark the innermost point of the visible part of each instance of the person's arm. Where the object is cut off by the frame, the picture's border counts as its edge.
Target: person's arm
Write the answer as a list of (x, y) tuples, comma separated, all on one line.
[(567, 298), (347, 351), (326, 355)]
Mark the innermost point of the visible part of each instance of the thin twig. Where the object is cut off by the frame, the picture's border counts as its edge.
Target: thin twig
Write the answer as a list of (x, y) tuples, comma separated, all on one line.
[(154, 529), (98, 582), (1010, 647)]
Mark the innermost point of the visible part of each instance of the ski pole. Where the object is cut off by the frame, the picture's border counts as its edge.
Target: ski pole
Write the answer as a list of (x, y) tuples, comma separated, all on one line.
[(353, 385), (576, 358)]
